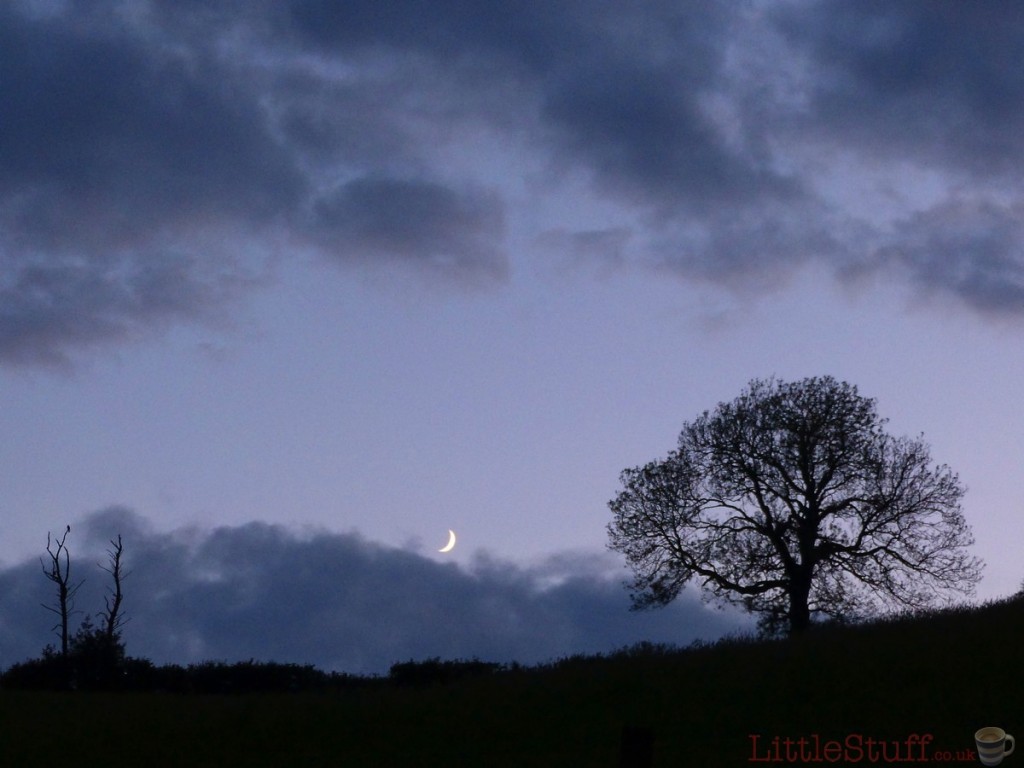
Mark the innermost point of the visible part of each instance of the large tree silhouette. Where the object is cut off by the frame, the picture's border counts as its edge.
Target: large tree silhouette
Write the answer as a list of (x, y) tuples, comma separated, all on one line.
[(794, 502)]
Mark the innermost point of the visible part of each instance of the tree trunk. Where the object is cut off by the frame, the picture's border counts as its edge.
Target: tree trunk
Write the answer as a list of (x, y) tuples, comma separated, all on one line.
[(799, 596), (63, 601)]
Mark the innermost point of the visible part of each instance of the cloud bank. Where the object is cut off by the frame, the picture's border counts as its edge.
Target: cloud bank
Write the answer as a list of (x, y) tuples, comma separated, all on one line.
[(156, 157), (337, 601)]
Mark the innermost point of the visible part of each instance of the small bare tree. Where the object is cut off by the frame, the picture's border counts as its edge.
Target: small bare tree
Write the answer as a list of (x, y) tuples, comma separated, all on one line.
[(59, 572), (112, 618)]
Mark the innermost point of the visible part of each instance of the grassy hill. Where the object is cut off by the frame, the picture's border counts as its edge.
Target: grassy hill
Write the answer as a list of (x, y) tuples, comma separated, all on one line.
[(941, 676)]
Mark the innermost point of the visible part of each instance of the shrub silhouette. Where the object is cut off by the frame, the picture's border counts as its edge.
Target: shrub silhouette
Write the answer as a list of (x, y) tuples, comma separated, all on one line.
[(94, 662), (436, 672), (97, 658)]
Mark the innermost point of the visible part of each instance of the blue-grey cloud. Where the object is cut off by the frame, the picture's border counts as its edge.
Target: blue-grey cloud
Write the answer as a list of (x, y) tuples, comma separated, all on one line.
[(972, 248), (144, 167), (933, 80), (338, 601), (48, 309), (421, 221), (927, 86), (168, 150), (620, 90)]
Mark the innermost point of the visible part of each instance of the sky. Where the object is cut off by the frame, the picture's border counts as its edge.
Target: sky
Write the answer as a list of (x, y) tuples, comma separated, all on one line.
[(290, 289)]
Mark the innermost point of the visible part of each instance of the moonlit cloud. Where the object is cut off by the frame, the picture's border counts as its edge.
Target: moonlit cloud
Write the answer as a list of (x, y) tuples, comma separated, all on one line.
[(337, 600)]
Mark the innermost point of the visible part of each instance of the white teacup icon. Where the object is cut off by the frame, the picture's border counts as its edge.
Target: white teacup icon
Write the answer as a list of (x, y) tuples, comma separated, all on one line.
[(993, 745)]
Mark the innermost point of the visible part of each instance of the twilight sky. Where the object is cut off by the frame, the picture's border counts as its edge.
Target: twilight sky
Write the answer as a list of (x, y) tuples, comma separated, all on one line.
[(364, 272)]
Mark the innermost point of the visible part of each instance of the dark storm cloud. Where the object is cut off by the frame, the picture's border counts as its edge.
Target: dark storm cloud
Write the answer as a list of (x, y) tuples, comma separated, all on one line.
[(528, 36), (338, 601), (972, 249), (47, 309), (627, 95), (936, 85), (382, 217), (95, 120), (147, 169), (691, 115), (936, 80), (120, 165), (620, 89), (210, 135)]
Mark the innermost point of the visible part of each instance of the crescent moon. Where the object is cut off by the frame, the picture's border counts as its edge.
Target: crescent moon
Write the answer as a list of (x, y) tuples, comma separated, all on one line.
[(451, 542)]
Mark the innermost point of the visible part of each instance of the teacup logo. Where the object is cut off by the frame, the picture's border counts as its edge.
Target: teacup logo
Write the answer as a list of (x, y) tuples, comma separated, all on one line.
[(993, 745)]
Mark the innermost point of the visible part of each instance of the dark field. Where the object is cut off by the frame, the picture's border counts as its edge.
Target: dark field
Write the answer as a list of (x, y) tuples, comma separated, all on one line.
[(942, 676)]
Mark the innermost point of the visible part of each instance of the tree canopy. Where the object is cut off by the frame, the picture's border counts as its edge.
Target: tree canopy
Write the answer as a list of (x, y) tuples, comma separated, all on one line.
[(794, 502)]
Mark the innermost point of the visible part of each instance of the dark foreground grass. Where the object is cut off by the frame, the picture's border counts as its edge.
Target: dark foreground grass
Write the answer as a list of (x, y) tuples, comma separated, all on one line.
[(941, 676)]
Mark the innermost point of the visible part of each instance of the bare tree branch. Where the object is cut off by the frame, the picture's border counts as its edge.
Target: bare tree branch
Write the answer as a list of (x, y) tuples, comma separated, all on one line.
[(112, 618), (60, 574)]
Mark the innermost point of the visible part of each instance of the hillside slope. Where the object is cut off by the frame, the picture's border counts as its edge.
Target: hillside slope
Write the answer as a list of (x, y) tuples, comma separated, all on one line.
[(915, 688)]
